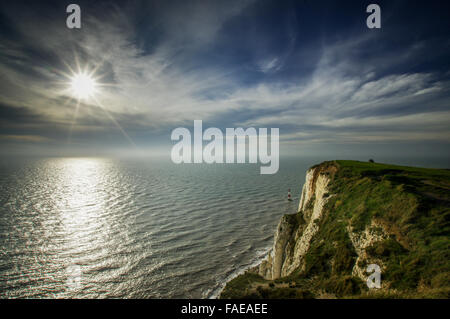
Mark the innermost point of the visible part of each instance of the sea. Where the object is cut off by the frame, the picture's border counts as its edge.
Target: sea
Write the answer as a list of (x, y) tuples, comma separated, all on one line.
[(139, 228)]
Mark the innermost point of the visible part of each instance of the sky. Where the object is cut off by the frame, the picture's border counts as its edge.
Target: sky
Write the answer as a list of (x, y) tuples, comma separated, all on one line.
[(310, 68)]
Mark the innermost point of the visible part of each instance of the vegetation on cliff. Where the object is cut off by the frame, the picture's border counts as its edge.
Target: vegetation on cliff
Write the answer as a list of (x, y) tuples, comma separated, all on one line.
[(394, 216)]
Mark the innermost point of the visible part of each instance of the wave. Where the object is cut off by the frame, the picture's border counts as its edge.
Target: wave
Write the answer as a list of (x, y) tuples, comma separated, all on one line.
[(260, 255)]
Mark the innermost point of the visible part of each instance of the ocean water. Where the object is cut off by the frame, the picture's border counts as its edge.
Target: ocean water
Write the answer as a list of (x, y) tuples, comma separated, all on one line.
[(104, 228), (109, 228)]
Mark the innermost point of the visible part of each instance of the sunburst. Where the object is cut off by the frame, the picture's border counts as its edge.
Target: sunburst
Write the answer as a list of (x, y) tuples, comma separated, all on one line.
[(83, 85)]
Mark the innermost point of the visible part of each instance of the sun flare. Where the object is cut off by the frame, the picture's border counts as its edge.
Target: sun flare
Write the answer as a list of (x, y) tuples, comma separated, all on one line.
[(83, 85)]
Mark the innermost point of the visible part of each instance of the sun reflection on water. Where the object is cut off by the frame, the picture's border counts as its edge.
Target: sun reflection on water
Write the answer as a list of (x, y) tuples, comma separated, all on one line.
[(81, 202)]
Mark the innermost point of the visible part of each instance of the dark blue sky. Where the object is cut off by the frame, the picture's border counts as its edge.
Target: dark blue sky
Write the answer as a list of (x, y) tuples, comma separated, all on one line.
[(311, 68)]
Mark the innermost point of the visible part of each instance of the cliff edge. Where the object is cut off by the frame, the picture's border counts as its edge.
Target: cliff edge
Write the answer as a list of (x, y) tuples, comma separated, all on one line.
[(351, 215)]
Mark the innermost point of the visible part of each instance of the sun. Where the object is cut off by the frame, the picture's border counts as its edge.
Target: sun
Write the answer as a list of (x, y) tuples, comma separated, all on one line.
[(83, 85)]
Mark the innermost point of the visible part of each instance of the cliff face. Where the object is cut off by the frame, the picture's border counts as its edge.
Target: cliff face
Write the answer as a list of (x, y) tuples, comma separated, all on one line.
[(353, 214), (291, 243)]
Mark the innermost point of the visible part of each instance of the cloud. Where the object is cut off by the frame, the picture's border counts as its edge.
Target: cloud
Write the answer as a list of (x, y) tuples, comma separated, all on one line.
[(25, 138), (270, 65), (156, 78)]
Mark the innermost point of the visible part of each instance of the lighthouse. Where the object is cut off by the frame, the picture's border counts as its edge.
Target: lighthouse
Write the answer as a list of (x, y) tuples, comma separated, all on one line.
[(289, 195)]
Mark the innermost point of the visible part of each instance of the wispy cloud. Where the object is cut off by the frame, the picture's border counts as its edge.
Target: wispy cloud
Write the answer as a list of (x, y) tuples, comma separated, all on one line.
[(24, 138), (171, 71)]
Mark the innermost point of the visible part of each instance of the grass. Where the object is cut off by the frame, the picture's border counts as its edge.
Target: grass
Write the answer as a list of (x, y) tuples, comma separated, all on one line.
[(411, 204), (241, 286)]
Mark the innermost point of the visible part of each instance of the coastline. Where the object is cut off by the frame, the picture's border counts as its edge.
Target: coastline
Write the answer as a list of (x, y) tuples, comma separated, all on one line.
[(215, 294), (254, 266), (353, 215)]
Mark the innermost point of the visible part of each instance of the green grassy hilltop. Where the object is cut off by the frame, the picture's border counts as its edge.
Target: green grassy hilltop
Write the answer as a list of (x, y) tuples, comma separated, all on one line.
[(409, 209)]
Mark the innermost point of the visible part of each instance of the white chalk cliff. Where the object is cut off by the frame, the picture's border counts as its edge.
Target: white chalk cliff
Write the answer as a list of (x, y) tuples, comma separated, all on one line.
[(293, 238), (290, 244)]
